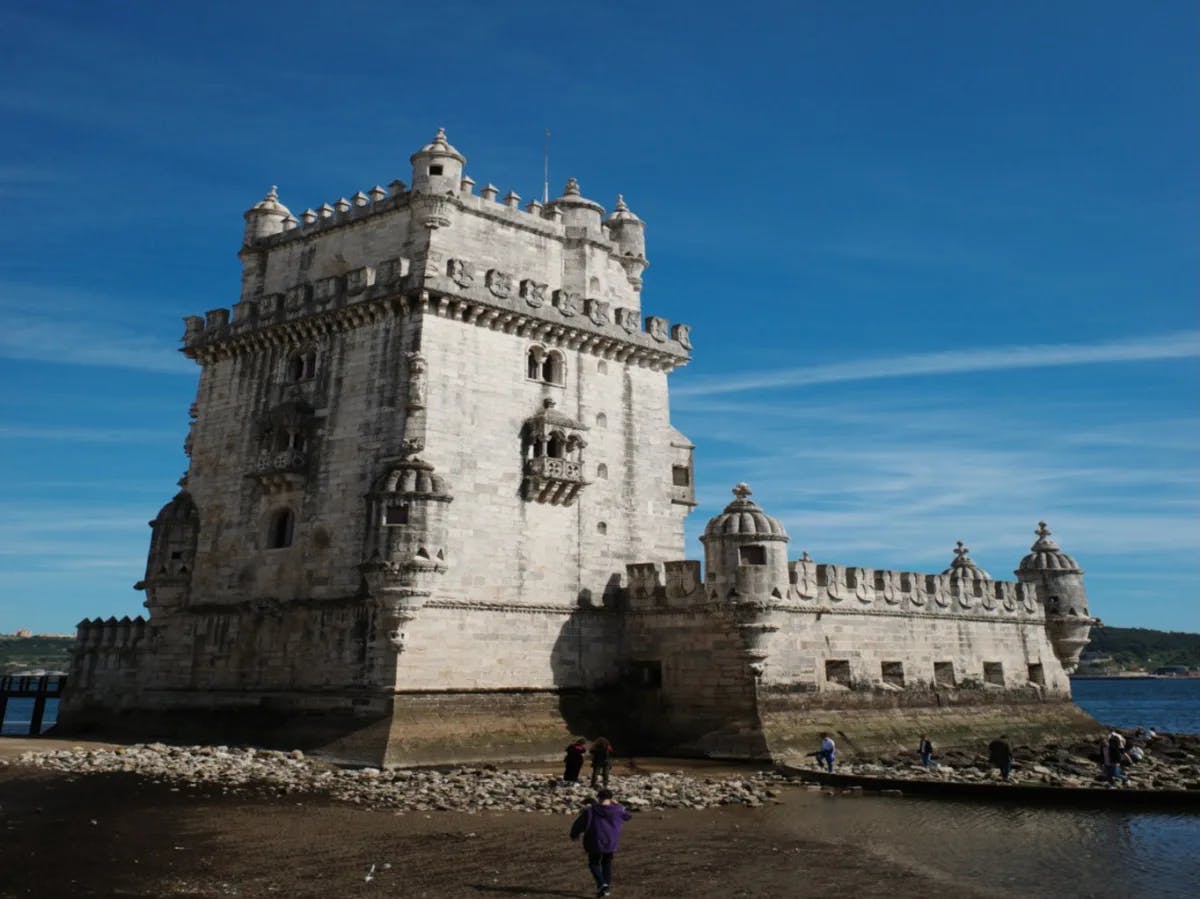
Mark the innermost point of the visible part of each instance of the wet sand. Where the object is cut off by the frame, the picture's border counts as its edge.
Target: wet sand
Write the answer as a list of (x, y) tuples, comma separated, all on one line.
[(121, 835)]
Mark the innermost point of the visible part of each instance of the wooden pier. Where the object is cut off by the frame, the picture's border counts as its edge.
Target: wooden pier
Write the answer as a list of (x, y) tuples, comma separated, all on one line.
[(38, 687)]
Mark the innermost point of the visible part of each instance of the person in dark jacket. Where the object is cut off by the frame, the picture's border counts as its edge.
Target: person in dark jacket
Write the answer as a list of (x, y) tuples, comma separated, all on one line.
[(926, 750), (600, 826), (573, 760), (1000, 755), (602, 754)]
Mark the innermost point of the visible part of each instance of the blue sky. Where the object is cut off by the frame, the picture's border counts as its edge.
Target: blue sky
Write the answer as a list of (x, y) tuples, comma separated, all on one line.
[(940, 259)]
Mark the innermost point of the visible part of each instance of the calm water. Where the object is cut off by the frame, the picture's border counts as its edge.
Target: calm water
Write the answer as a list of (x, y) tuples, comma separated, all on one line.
[(19, 713), (1167, 704)]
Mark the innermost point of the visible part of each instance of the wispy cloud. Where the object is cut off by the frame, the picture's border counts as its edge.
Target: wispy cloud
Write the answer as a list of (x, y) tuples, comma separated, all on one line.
[(60, 327), (1184, 344)]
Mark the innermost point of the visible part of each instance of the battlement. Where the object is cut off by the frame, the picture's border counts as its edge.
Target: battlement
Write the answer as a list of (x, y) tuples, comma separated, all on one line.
[(820, 587), (109, 634), (363, 293)]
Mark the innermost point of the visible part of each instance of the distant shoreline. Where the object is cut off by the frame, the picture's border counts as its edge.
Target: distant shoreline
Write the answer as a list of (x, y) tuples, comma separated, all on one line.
[(1134, 676)]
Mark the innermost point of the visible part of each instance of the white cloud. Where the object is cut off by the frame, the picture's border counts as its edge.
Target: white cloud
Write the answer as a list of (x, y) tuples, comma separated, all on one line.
[(1184, 344)]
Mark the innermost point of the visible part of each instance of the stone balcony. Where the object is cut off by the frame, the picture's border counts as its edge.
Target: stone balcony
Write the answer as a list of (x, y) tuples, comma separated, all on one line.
[(552, 480), (281, 470)]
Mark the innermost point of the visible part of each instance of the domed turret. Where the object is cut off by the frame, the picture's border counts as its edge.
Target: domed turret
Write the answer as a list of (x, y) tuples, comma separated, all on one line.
[(963, 568), (437, 167), (266, 217), (577, 211), (1058, 582), (629, 233), (745, 550)]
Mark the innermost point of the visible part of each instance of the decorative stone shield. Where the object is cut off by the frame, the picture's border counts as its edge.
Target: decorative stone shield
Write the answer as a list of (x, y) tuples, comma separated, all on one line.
[(533, 293), (656, 327), (459, 271), (567, 302), (597, 311), (682, 334), (627, 319), (499, 283)]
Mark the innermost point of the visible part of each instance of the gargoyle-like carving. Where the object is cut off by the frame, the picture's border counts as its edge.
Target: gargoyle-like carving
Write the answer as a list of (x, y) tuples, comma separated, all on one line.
[(498, 282), (533, 293)]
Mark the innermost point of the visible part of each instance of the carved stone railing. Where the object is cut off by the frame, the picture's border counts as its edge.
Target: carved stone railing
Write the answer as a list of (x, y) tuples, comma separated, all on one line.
[(281, 470), (554, 481)]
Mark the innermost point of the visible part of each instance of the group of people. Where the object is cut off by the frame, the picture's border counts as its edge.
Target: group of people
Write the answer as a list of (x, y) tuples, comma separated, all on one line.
[(601, 752), (600, 822)]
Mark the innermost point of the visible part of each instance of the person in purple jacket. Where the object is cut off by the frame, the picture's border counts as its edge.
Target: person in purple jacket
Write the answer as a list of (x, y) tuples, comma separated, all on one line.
[(600, 826)]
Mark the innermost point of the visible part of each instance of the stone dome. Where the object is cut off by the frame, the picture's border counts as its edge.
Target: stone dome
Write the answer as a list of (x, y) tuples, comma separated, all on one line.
[(1045, 554), (621, 214), (744, 518), (963, 568), (438, 147), (270, 203), (414, 476), (572, 198)]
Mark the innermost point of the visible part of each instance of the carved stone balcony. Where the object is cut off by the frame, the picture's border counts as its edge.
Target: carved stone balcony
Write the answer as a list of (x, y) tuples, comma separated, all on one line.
[(281, 470), (552, 480)]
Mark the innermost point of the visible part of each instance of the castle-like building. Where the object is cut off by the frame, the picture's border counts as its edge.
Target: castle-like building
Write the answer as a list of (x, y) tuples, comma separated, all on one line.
[(434, 511)]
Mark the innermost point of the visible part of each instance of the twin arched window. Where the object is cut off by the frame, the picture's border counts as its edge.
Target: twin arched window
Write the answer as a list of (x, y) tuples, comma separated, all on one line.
[(301, 365), (547, 366)]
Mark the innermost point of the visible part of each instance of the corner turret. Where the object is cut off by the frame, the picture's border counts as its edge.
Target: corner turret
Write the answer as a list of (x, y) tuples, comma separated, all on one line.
[(1058, 581), (266, 217), (437, 167), (629, 233)]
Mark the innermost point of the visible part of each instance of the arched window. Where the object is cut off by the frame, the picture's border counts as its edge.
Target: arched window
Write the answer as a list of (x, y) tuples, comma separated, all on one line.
[(557, 446), (602, 420), (602, 367), (534, 363), (301, 365), (602, 472), (601, 527), (554, 368), (279, 533)]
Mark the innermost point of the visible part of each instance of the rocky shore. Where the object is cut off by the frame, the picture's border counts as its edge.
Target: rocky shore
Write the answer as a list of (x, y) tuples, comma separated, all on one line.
[(237, 771), (1170, 762)]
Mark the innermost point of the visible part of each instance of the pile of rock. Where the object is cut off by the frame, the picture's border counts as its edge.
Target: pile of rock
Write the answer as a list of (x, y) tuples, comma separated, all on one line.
[(1170, 762), (463, 789)]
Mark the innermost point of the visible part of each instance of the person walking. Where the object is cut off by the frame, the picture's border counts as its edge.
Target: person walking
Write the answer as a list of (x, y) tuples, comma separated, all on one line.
[(828, 752), (600, 826), (1112, 750), (602, 754), (573, 760), (1000, 755), (926, 751)]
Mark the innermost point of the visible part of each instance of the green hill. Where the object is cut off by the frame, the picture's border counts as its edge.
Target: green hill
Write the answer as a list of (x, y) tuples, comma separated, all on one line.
[(33, 653), (1137, 647)]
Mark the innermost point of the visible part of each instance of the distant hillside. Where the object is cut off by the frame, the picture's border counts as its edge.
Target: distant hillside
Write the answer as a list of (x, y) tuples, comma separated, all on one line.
[(1137, 647), (25, 653)]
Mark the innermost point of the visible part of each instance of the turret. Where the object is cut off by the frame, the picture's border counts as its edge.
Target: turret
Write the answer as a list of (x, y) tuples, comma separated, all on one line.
[(266, 217), (1058, 582), (438, 167), (577, 211), (629, 233), (745, 552)]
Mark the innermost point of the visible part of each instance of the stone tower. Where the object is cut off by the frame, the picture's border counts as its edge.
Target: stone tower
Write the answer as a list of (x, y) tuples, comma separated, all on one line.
[(425, 445)]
